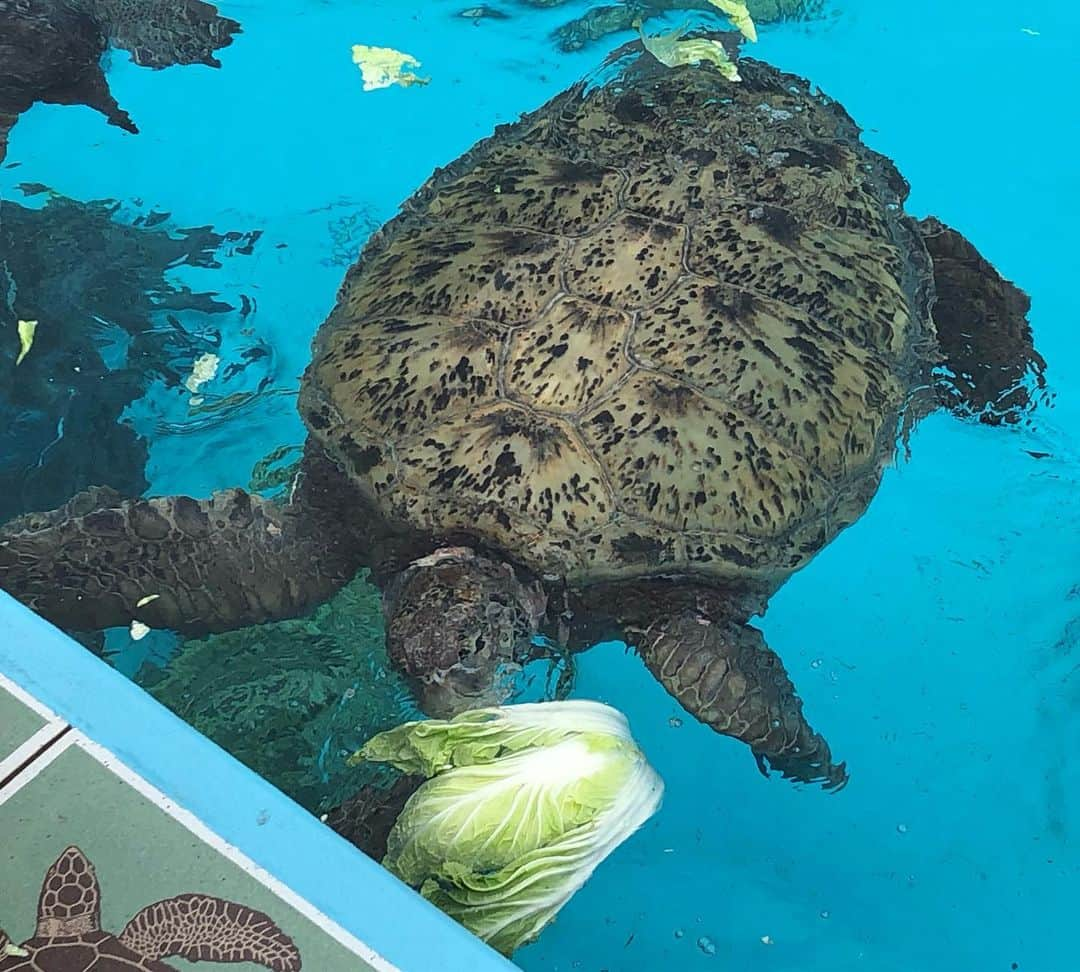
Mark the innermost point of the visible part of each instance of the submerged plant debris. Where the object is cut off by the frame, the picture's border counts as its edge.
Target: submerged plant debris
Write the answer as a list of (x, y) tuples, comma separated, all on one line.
[(738, 16), (204, 369), (672, 50), (27, 330), (276, 470), (292, 699)]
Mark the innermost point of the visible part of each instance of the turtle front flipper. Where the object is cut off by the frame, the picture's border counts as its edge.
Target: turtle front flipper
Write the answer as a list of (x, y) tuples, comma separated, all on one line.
[(723, 673), (201, 928), (194, 566), (70, 901), (983, 332)]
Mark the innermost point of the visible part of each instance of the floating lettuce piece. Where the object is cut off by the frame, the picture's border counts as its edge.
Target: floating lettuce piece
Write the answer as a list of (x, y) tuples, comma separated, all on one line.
[(739, 16), (8, 949), (668, 49), (523, 802), (203, 369), (381, 67), (138, 630), (27, 329)]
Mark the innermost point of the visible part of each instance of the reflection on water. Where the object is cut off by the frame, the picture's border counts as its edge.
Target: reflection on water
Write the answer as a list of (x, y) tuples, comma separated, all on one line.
[(114, 324), (601, 21), (54, 50)]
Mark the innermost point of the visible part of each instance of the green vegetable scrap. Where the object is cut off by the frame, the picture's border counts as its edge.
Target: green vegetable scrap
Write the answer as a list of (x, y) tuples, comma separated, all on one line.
[(292, 699), (671, 51), (27, 329), (9, 949), (382, 67), (522, 803), (739, 17)]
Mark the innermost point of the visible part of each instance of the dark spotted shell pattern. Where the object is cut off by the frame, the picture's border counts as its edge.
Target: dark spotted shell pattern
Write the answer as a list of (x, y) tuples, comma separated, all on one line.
[(665, 324)]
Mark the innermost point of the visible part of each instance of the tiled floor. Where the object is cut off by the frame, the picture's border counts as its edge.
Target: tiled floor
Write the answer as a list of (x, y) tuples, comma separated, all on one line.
[(26, 727), (143, 849)]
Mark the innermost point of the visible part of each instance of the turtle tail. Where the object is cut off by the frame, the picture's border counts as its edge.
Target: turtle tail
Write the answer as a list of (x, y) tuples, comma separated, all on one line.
[(995, 373), (194, 566)]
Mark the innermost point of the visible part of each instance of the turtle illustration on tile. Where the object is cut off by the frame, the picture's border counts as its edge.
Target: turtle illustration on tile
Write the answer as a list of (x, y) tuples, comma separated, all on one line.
[(196, 927)]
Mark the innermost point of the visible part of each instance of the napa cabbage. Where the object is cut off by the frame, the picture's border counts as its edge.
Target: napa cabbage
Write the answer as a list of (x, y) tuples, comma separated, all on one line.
[(521, 804)]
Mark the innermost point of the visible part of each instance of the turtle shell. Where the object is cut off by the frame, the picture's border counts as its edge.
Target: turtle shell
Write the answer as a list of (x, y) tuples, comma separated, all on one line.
[(663, 325)]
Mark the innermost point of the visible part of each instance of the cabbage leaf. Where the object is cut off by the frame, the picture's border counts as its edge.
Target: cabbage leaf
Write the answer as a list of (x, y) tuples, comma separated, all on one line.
[(521, 805)]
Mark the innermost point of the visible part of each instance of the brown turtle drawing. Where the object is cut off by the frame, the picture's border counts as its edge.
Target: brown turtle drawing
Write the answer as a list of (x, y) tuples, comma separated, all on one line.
[(618, 371), (196, 927)]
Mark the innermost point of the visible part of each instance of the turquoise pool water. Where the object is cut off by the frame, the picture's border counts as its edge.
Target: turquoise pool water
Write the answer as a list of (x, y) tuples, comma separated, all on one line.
[(934, 643)]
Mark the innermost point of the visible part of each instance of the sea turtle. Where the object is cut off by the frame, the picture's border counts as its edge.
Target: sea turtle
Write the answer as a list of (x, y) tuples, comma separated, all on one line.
[(51, 50), (196, 927), (619, 370)]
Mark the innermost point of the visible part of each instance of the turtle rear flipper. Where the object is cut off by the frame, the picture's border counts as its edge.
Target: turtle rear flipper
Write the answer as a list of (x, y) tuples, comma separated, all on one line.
[(193, 566), (983, 332), (70, 901), (201, 928)]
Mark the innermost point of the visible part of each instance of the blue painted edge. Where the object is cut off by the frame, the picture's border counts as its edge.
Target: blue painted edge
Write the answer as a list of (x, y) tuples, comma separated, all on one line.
[(302, 853)]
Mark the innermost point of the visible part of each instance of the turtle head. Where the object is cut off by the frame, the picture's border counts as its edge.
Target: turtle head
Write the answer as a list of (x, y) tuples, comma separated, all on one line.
[(460, 626)]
